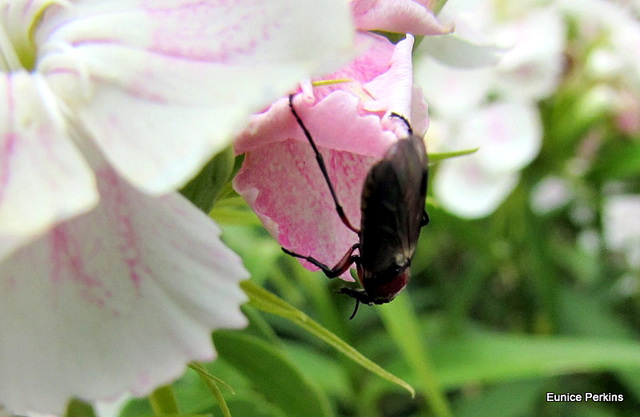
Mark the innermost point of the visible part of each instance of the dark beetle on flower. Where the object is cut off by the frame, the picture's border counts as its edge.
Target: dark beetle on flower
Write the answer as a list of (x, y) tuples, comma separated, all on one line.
[(393, 201)]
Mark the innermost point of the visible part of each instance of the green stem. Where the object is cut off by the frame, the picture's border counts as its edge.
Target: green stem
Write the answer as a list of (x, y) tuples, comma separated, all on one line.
[(212, 383)]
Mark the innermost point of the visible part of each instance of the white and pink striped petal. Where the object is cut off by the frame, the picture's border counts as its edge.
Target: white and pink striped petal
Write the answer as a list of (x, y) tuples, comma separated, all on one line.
[(44, 179), (117, 299), (161, 86)]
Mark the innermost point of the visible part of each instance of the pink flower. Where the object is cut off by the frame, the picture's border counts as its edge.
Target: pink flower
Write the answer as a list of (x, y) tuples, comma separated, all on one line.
[(349, 122), (109, 281), (402, 16)]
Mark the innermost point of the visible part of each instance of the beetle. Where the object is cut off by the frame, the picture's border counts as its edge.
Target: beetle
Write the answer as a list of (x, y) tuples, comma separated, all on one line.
[(393, 212)]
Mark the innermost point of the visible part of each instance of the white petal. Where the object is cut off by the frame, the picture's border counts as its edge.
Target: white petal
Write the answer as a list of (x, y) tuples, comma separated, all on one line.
[(532, 67), (466, 189), (614, 25), (551, 193), (458, 52), (622, 221), (43, 178), (509, 135), (452, 92), (118, 299), (164, 85)]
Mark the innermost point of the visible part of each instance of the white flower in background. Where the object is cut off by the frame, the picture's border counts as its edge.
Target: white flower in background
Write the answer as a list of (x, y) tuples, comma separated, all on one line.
[(621, 222), (508, 135), (550, 194), (483, 82), (109, 281), (610, 32)]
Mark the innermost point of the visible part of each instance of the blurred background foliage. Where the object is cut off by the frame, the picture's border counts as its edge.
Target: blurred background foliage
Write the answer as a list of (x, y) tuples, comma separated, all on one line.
[(501, 310)]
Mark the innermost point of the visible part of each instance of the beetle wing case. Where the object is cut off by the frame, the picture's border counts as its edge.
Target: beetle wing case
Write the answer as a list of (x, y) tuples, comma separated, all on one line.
[(393, 199)]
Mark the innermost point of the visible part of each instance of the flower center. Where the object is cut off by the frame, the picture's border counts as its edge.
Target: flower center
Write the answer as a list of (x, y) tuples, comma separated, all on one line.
[(18, 20)]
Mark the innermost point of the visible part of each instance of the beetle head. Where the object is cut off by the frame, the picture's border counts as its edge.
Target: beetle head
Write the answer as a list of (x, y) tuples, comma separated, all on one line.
[(379, 288)]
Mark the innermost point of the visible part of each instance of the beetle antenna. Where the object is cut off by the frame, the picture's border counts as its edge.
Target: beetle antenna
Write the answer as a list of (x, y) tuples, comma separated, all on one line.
[(355, 310), (404, 119), (323, 167)]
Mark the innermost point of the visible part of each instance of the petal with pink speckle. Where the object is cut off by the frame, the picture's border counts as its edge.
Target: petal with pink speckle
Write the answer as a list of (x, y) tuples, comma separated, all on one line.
[(118, 299), (161, 86), (43, 177)]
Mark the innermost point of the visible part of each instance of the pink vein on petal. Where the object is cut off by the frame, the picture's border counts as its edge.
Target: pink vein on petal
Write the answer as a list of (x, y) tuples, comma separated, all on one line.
[(112, 193), (225, 44), (66, 256), (5, 166), (8, 145)]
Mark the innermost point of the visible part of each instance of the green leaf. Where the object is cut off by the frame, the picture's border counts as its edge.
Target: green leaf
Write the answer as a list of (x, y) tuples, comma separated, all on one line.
[(335, 379), (618, 162), (235, 216), (402, 323), (266, 301), (483, 356), (253, 405), (437, 6), (501, 397), (272, 373), (587, 315), (78, 408), (136, 407), (437, 157), (204, 189), (163, 401)]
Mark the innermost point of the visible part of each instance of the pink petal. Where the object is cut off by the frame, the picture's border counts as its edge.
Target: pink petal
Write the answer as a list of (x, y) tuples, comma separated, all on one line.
[(118, 299), (162, 86), (334, 122), (282, 182), (43, 178), (381, 75), (349, 122), (374, 58), (393, 90), (402, 16)]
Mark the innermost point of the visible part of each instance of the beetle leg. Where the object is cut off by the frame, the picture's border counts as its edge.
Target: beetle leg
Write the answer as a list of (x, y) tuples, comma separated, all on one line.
[(357, 293), (347, 260), (323, 168)]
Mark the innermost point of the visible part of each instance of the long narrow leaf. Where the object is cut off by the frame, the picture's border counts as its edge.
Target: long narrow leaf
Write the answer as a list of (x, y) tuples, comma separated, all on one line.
[(268, 302)]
